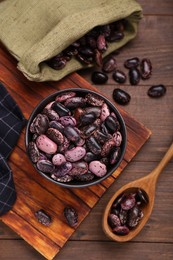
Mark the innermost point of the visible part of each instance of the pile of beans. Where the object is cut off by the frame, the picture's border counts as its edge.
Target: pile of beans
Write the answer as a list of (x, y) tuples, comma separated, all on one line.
[(75, 137), (126, 211), (89, 48)]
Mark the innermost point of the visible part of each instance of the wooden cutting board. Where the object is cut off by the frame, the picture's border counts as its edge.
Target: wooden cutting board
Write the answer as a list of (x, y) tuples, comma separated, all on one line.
[(35, 192)]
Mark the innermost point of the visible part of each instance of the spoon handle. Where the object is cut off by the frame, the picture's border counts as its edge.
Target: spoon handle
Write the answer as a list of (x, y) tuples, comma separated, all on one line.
[(166, 158)]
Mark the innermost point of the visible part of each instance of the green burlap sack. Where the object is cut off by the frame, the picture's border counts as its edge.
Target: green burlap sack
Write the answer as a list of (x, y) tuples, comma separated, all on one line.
[(36, 30)]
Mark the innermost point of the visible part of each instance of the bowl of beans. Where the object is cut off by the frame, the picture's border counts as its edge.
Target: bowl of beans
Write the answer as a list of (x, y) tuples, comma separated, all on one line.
[(75, 138)]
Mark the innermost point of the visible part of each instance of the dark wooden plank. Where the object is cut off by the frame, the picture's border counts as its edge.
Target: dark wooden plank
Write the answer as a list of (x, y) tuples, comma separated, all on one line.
[(112, 250), (44, 245), (17, 249), (155, 8), (93, 250)]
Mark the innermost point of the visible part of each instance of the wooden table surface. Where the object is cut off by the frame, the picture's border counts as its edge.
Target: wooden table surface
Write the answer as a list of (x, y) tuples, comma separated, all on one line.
[(154, 41)]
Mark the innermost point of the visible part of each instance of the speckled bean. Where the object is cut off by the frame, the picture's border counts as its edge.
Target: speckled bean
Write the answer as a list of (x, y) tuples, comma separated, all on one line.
[(98, 168), (58, 159), (46, 145), (105, 112), (75, 154), (67, 120)]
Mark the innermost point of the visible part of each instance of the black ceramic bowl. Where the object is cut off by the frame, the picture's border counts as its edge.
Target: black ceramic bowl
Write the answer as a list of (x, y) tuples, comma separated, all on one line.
[(110, 168)]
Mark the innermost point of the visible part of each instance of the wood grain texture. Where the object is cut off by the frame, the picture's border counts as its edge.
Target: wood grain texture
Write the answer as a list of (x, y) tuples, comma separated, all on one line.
[(155, 41)]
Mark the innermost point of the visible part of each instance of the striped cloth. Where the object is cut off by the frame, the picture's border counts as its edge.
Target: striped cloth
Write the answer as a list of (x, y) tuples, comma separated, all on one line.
[(11, 123)]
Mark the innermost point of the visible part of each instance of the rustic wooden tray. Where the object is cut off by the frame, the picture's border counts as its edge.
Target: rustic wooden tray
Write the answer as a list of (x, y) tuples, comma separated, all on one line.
[(35, 192)]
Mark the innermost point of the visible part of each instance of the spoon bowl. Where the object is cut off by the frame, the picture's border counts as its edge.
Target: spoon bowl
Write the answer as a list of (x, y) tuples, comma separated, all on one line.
[(148, 185)]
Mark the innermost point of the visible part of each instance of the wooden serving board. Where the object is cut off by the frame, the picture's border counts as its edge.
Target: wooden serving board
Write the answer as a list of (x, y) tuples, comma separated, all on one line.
[(34, 192)]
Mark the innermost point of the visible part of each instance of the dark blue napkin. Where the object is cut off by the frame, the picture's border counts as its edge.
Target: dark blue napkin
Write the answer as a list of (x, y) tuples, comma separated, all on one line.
[(11, 124)]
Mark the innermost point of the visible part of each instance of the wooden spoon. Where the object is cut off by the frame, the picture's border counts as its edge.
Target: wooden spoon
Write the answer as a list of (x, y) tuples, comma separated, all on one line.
[(148, 184)]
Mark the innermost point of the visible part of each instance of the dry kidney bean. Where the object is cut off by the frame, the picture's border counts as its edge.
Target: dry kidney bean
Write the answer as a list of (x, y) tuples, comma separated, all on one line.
[(121, 96), (101, 43), (75, 102), (34, 152), (71, 216), (86, 51), (119, 76), (157, 91), (115, 36), (85, 177), (114, 156), (126, 211), (57, 62), (75, 154), (98, 168), (94, 100), (87, 118), (72, 134), (128, 202), (67, 120), (50, 113), (132, 63), (46, 145), (60, 109), (89, 48), (58, 159), (99, 77), (40, 124), (57, 125), (43, 217), (95, 110), (63, 169), (109, 65), (64, 97), (93, 145), (79, 168), (112, 124), (134, 217), (134, 76), (55, 135), (121, 230), (146, 68), (114, 220), (142, 197), (83, 141), (123, 216), (45, 166), (66, 178)]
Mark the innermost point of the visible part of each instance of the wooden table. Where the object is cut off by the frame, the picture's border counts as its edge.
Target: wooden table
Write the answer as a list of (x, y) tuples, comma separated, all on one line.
[(155, 41)]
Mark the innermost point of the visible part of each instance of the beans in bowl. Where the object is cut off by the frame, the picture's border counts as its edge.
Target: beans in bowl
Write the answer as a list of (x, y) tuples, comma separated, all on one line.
[(75, 137)]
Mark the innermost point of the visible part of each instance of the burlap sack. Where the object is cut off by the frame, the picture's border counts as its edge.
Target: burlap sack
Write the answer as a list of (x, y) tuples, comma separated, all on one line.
[(36, 30)]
